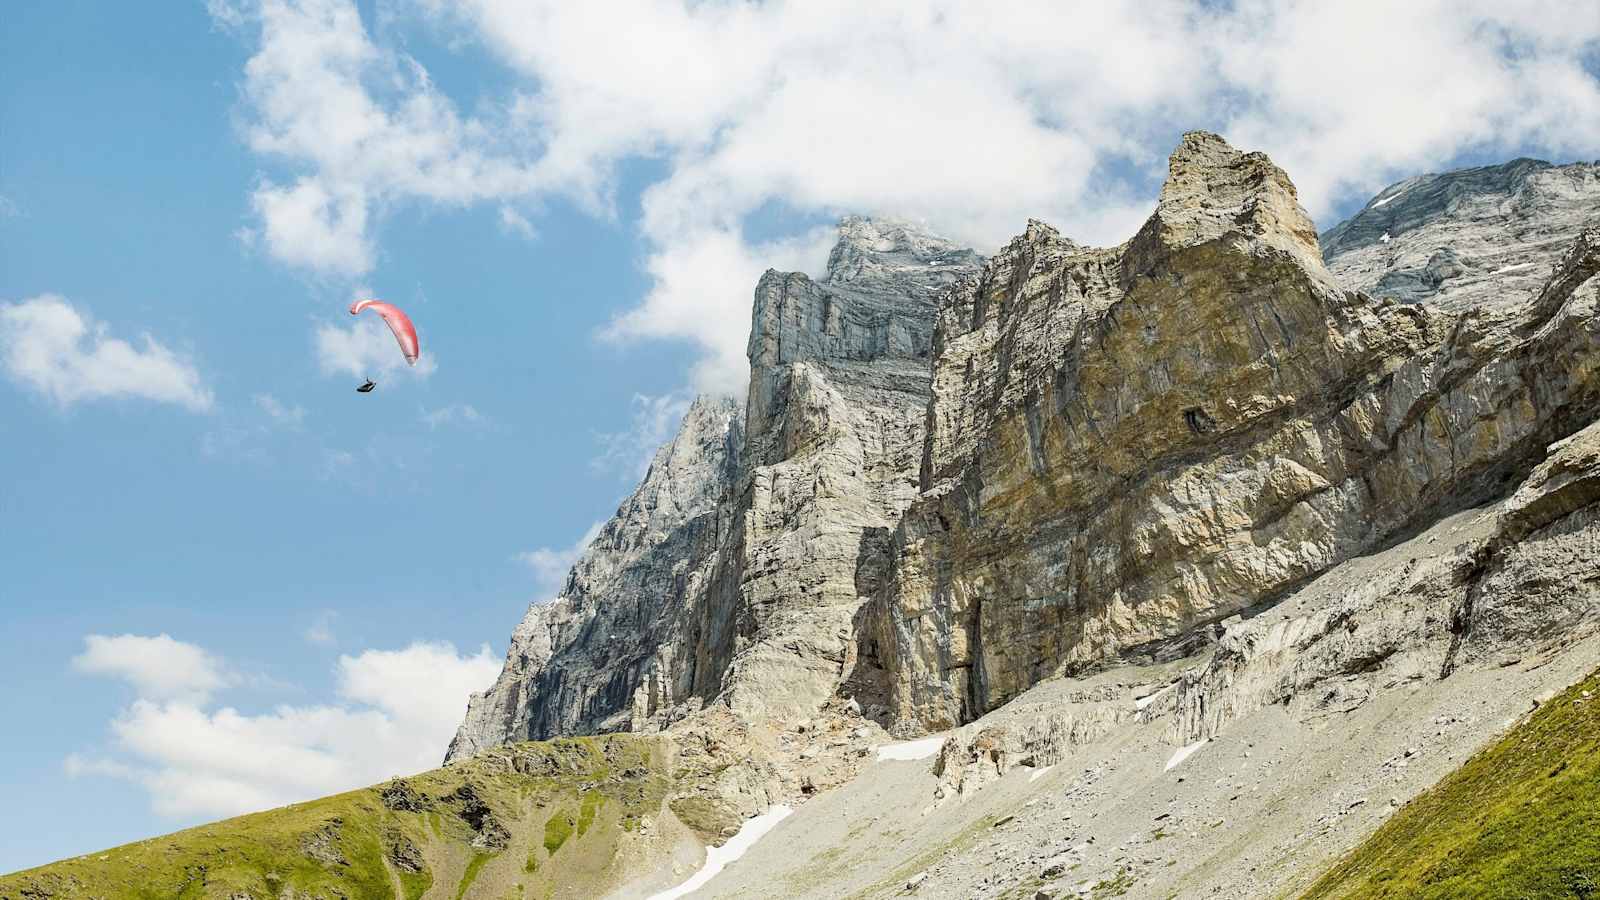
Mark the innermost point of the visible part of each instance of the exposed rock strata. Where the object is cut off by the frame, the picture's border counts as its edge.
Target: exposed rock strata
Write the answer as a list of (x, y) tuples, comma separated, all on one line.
[(948, 484), (1125, 444), (731, 573), (575, 664), (1476, 237)]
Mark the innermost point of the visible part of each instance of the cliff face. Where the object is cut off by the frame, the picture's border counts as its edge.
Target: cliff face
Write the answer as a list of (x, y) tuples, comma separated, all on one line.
[(953, 478), (576, 664), (838, 386), (731, 572), (1126, 444)]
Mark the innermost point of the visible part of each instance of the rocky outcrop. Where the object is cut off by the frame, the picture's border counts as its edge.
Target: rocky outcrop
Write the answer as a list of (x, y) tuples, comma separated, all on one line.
[(1468, 239), (1126, 444), (1489, 586), (731, 573), (607, 648), (950, 482), (838, 390)]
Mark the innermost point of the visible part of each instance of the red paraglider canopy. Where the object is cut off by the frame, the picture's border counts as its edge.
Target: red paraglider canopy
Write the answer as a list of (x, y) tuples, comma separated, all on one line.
[(398, 322)]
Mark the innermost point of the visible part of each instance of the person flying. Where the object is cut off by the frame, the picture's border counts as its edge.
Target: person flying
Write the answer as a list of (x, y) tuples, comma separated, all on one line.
[(399, 323)]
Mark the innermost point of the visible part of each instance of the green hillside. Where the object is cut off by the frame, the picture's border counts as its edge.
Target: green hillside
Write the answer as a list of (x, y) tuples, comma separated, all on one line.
[(537, 820), (1519, 820)]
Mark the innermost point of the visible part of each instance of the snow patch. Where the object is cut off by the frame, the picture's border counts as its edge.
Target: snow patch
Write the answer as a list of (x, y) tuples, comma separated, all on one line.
[(1389, 198), (1039, 773), (718, 857), (1146, 700), (920, 749), (1511, 268), (1184, 753)]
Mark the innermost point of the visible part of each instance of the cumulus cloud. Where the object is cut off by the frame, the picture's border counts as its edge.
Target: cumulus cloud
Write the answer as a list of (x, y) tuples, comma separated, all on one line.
[(363, 125), (395, 713), (48, 345), (967, 115), (551, 564), (158, 667)]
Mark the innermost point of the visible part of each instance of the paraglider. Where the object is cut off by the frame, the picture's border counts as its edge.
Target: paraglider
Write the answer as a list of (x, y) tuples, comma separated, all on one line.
[(399, 323)]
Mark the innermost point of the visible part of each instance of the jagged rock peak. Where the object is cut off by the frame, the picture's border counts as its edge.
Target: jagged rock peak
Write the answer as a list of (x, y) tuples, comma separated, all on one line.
[(873, 247), (1213, 190)]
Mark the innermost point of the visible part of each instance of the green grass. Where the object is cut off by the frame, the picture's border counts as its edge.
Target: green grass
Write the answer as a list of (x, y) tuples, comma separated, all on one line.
[(340, 846), (592, 801), (1520, 819), (471, 875), (556, 831)]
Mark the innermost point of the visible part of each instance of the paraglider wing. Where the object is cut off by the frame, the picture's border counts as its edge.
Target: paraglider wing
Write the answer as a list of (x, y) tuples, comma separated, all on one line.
[(398, 322)]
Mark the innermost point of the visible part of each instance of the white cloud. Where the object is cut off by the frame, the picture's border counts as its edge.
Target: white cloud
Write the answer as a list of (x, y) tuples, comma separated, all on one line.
[(48, 345), (8, 208), (516, 223), (363, 348), (307, 225), (280, 412), (655, 420), (77, 765), (158, 667), (464, 413), (396, 712), (960, 113), (335, 462), (551, 564), (368, 124), (702, 292)]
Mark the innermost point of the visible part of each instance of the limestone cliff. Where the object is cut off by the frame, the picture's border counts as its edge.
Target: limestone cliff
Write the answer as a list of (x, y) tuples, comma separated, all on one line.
[(730, 573), (1125, 444), (575, 663), (954, 478)]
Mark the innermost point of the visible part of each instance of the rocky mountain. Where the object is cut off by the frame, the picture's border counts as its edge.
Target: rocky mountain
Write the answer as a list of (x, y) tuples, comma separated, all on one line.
[(575, 664), (961, 483), (1128, 444), (1182, 567), (1474, 237), (730, 573)]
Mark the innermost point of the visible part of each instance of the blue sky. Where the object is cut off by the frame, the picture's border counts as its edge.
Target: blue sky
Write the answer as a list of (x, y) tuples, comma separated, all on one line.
[(576, 234)]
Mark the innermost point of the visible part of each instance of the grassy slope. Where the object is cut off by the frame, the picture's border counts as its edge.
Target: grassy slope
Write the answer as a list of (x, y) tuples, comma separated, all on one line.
[(355, 845), (1520, 819)]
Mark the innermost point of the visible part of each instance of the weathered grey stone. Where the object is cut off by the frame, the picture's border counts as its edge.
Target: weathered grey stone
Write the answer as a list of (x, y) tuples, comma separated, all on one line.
[(1126, 444), (731, 573), (949, 483), (605, 653), (1487, 236)]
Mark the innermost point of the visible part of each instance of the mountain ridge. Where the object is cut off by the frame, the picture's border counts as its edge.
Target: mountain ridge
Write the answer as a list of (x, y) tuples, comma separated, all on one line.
[(1218, 490)]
